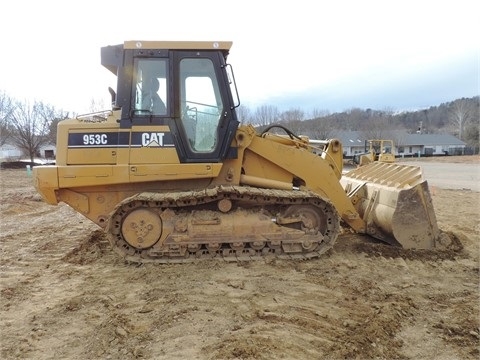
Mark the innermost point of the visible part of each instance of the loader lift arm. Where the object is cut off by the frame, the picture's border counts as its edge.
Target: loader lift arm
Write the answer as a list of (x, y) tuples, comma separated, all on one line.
[(320, 181)]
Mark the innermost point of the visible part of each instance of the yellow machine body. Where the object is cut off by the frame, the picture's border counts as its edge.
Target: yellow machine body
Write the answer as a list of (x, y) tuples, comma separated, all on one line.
[(191, 183)]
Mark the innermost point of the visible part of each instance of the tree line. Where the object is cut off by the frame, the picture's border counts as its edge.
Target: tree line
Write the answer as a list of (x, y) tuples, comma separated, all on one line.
[(460, 118), (29, 126)]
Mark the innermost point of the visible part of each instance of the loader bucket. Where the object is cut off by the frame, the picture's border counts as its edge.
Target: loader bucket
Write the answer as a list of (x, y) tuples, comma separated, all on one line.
[(395, 203)]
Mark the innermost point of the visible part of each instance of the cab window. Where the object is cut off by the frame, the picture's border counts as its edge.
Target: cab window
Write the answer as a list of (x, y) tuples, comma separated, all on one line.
[(151, 87), (201, 103)]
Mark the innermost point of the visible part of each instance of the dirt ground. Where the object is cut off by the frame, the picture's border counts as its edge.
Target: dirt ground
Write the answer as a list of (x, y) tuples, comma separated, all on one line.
[(66, 295)]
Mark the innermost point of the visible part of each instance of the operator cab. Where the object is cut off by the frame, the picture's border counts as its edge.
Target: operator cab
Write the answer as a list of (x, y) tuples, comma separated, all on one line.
[(186, 86)]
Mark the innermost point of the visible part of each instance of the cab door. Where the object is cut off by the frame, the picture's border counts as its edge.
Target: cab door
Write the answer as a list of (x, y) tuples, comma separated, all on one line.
[(206, 120)]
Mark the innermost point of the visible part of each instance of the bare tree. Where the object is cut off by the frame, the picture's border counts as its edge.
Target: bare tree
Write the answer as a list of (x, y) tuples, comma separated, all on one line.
[(6, 108), (31, 125), (295, 126), (292, 115), (266, 115), (472, 136), (320, 113), (356, 118), (293, 120), (460, 114), (244, 114), (321, 129), (52, 127), (96, 105), (377, 126)]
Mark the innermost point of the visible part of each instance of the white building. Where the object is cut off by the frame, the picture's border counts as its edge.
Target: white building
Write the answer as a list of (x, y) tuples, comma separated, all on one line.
[(405, 144), (9, 152)]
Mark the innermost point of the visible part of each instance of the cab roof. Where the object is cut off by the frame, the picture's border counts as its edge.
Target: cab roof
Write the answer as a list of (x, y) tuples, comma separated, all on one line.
[(178, 45), (112, 56)]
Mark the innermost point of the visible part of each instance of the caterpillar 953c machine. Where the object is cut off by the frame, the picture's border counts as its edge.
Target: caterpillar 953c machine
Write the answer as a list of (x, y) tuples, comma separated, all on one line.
[(171, 175)]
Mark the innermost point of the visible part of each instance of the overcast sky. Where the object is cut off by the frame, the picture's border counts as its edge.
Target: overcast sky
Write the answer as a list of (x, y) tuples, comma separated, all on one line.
[(328, 55)]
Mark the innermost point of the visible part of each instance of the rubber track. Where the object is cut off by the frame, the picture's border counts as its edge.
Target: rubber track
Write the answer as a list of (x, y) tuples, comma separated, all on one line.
[(261, 197)]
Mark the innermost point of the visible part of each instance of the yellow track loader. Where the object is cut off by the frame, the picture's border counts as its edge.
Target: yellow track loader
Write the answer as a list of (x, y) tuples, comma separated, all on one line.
[(376, 150), (171, 175)]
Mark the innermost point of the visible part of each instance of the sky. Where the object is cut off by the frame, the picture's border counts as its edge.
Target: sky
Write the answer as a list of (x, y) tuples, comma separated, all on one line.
[(302, 54)]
